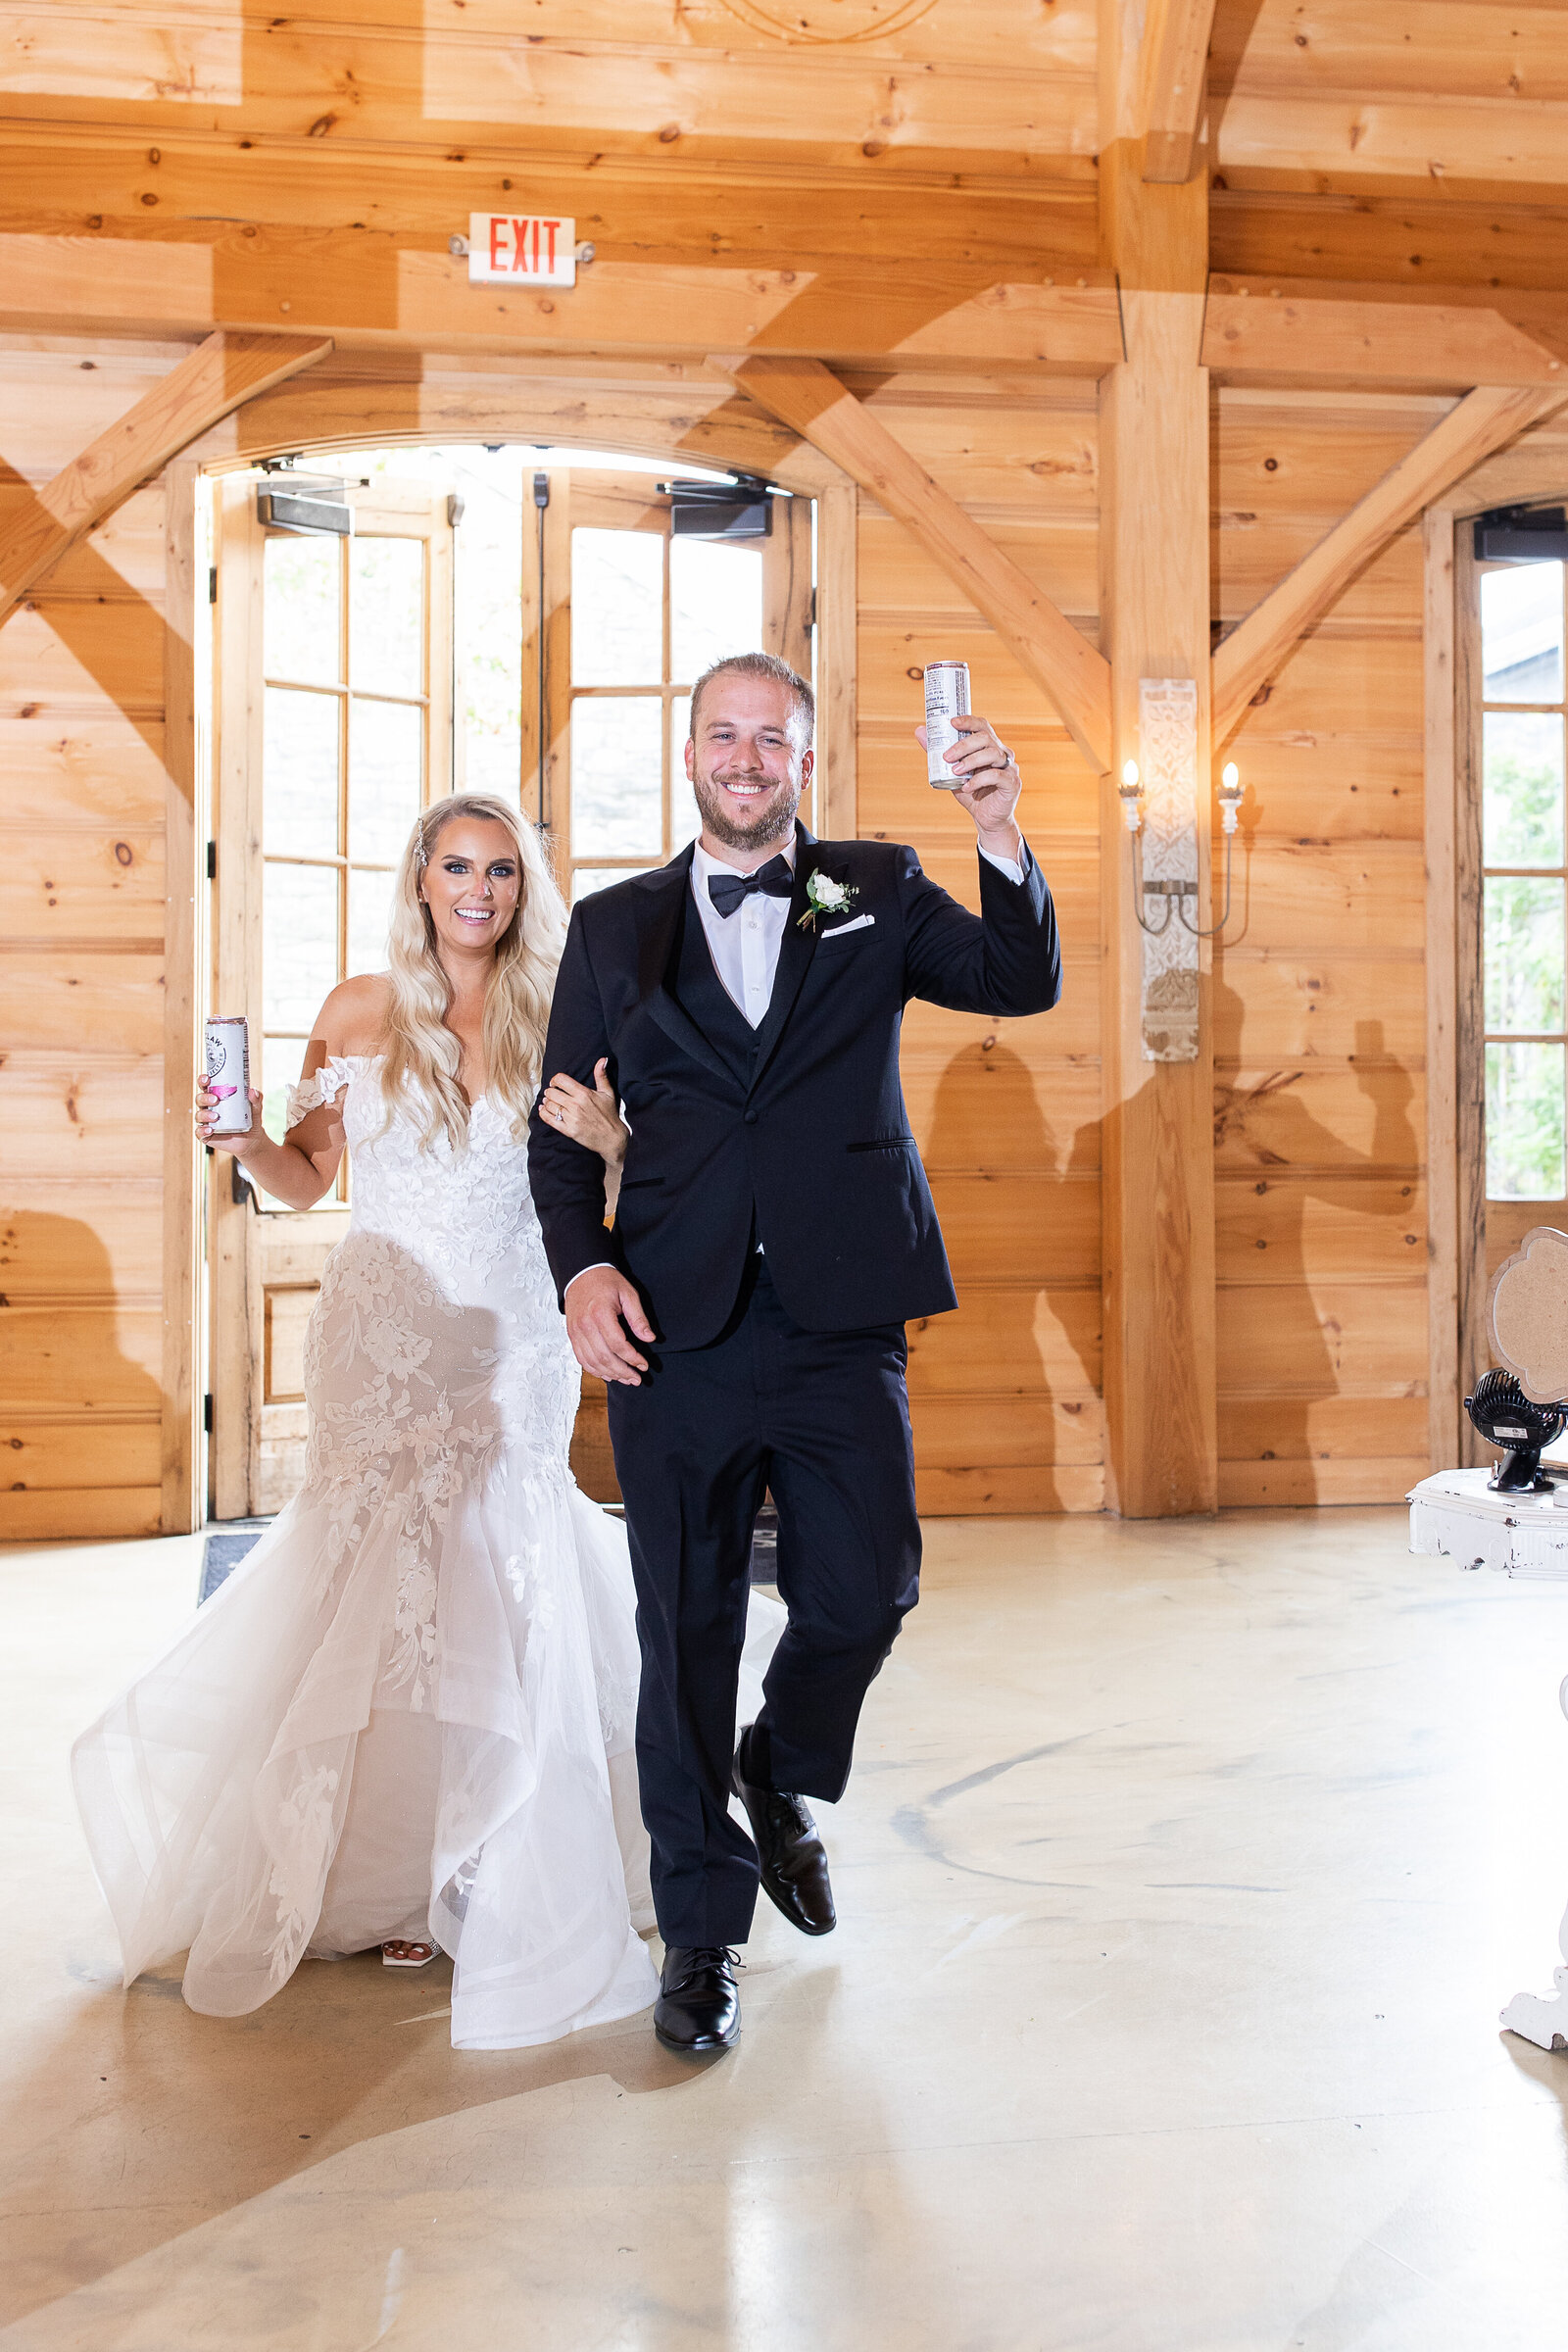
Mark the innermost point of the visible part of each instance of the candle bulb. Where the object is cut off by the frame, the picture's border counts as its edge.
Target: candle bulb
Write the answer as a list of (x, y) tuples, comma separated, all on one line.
[(1230, 795), (1130, 793)]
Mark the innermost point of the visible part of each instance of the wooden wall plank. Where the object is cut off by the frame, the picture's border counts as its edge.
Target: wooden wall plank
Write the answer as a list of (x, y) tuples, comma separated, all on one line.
[(83, 1516), (81, 885), (1322, 1337), (86, 1358), (1272, 1230)]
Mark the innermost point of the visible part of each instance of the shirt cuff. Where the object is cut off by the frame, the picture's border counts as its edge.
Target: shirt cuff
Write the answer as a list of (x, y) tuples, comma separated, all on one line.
[(1015, 868), (582, 1271)]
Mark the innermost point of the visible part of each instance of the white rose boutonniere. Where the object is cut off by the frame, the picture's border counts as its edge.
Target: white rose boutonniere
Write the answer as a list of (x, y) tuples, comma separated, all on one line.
[(824, 895)]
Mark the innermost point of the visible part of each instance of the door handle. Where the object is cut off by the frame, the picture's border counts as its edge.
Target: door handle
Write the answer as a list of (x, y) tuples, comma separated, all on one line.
[(242, 1188)]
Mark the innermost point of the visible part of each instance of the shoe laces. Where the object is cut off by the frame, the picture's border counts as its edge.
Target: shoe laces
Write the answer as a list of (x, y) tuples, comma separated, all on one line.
[(703, 1956), (789, 1812)]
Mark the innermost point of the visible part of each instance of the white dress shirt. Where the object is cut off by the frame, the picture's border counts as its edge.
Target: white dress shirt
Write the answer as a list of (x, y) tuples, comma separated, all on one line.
[(745, 945)]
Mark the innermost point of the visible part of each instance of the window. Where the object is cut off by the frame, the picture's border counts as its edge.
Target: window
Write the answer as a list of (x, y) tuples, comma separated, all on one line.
[(649, 613), (344, 707), (1523, 852)]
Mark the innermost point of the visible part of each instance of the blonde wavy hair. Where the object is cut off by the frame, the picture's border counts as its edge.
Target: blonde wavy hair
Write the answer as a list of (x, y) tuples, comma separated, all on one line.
[(421, 1059)]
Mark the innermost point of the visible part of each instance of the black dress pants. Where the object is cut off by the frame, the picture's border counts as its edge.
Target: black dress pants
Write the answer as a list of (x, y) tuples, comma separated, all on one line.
[(823, 1419)]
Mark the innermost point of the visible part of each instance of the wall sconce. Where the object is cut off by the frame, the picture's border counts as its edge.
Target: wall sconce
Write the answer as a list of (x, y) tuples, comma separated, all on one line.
[(1158, 796), (1130, 793)]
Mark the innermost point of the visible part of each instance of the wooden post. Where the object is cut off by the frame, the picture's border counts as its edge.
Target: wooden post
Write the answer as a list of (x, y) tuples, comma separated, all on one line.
[(1157, 1217), (184, 1505), (1443, 1414)]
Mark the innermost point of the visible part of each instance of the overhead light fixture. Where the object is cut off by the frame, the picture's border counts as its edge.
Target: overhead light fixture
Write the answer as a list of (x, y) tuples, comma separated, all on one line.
[(740, 509)]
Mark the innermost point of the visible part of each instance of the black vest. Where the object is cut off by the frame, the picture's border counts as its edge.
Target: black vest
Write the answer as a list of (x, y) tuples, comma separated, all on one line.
[(701, 994)]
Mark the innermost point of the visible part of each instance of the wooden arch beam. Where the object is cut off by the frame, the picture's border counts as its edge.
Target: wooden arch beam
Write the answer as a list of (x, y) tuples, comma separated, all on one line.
[(219, 376), (1478, 424), (811, 400)]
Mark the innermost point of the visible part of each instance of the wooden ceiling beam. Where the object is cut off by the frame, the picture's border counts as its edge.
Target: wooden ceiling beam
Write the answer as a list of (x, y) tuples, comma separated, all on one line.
[(811, 401), (81, 183), (225, 372), (375, 290), (1173, 76), (1245, 659), (1280, 330)]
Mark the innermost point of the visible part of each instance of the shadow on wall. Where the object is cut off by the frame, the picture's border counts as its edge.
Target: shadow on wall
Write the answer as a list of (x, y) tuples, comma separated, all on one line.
[(1285, 1357), (1022, 1427), (81, 1419)]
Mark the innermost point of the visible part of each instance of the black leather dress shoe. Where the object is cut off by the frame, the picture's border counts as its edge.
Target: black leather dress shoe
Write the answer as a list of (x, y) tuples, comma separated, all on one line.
[(792, 1856), (697, 2008)]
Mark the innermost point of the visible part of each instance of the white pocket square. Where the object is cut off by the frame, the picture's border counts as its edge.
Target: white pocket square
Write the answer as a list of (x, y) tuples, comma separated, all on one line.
[(862, 922)]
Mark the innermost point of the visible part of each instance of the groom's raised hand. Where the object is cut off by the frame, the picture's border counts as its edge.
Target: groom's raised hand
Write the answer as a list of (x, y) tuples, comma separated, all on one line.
[(987, 782), (600, 1305)]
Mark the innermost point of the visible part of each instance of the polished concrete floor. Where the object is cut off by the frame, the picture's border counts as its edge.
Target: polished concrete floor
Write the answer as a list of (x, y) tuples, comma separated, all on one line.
[(1184, 1874)]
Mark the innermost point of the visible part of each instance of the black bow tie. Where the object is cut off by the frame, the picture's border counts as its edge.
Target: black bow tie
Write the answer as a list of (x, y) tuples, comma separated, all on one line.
[(727, 890)]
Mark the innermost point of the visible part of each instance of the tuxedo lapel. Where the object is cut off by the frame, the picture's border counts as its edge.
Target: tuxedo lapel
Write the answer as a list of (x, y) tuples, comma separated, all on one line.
[(657, 928), (796, 950)]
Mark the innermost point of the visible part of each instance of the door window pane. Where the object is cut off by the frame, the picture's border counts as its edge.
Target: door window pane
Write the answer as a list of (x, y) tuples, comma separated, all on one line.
[(618, 625), (369, 910), (685, 818), (715, 603), (299, 942), (1521, 633), (386, 615), (1524, 953), (302, 610), (1525, 1157), (1522, 766), (386, 764), (299, 772), (618, 801)]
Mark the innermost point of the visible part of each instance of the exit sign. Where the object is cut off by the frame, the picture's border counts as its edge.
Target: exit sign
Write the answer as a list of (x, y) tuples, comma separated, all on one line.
[(507, 248)]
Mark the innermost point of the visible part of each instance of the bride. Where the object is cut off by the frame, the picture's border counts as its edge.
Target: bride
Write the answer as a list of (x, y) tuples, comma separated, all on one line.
[(407, 1718)]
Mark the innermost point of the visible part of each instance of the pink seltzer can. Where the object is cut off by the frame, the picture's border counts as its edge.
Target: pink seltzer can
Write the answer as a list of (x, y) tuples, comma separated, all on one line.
[(947, 698), (228, 1075)]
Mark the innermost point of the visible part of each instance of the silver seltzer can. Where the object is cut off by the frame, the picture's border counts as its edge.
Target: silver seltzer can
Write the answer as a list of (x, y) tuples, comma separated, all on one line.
[(947, 698), (228, 1076)]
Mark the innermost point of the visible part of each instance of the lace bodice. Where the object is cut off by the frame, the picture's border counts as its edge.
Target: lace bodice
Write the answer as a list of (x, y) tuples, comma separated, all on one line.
[(436, 1341), (463, 1212)]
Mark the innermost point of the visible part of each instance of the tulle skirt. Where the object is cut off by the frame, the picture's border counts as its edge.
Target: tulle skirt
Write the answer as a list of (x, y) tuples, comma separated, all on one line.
[(355, 1740)]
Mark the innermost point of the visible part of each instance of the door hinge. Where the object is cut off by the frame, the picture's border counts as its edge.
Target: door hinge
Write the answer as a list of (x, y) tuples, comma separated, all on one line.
[(207, 1413), (212, 861), (212, 583)]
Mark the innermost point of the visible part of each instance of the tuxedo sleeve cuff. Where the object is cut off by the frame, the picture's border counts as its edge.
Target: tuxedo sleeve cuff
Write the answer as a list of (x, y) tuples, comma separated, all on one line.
[(582, 1271), (1017, 868)]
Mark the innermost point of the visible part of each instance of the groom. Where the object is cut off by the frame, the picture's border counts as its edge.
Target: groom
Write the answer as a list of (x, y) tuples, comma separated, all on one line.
[(774, 1233)]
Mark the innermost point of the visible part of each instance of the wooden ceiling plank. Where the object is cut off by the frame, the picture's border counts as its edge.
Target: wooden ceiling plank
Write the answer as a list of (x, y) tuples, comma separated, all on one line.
[(1174, 69), (217, 378), (1484, 421), (811, 399)]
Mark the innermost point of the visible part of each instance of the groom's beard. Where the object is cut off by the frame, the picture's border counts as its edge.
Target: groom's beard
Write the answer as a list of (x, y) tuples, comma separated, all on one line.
[(773, 820)]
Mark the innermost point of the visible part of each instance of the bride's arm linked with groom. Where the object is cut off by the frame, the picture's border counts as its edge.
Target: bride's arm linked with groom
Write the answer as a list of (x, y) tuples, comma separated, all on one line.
[(774, 1232)]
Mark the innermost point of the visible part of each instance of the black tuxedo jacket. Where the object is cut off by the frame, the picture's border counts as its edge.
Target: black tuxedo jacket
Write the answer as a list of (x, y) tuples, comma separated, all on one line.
[(794, 1134)]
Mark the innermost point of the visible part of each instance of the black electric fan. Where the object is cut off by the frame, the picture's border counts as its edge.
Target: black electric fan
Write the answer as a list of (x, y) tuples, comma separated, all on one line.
[(1519, 1428)]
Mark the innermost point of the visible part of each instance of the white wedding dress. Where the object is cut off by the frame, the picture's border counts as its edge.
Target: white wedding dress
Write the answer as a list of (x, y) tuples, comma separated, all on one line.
[(410, 1711)]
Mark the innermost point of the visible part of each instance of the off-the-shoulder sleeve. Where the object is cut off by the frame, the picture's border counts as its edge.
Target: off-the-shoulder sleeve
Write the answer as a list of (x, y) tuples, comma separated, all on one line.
[(325, 1087)]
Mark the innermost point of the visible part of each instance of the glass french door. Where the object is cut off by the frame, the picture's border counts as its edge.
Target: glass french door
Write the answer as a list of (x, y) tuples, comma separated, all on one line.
[(333, 709), (1525, 867)]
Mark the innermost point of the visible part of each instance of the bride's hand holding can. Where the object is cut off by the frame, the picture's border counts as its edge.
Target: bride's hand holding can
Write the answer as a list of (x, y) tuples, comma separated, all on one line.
[(208, 1102)]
